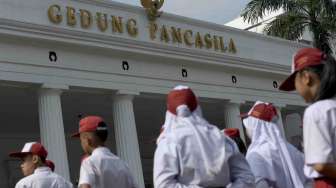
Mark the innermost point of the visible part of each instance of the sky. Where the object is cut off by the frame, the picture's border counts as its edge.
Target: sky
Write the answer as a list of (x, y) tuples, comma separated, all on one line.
[(216, 11)]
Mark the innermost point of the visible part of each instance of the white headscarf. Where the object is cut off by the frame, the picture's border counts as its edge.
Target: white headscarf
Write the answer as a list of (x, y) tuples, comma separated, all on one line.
[(211, 143), (268, 142)]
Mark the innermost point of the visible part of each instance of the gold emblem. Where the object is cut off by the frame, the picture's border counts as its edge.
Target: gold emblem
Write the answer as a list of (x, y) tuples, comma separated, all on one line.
[(152, 8)]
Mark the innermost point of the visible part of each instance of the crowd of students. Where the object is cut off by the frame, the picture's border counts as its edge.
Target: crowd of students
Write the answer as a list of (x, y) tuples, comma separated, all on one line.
[(192, 153)]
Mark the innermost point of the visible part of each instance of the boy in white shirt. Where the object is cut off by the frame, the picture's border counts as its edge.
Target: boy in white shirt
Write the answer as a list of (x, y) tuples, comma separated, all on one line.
[(101, 169), (35, 170)]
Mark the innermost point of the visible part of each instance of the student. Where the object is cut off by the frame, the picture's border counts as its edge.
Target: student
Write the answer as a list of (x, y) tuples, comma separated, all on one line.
[(101, 169), (37, 174), (314, 78), (274, 162), (191, 153), (234, 134)]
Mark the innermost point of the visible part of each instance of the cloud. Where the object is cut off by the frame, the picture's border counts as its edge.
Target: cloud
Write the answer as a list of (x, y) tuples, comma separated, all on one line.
[(217, 11)]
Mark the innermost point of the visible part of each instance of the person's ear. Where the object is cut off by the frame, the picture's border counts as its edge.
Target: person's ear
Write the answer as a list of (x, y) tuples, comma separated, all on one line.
[(305, 78), (89, 141), (35, 159)]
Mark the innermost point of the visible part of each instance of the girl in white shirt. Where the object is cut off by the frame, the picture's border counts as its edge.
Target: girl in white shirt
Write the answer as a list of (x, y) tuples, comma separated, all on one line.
[(274, 162), (191, 153), (314, 78)]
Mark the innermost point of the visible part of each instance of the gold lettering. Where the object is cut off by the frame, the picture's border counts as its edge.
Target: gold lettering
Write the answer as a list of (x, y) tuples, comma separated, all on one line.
[(117, 24), (131, 27), (54, 14), (198, 41), (164, 34), (208, 41), (215, 41), (71, 16), (187, 37), (176, 35), (221, 42), (152, 30), (232, 47), (86, 18), (102, 21)]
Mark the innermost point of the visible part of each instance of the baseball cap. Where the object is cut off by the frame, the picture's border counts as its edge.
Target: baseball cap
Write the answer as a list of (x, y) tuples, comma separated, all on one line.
[(263, 111), (90, 124), (305, 57), (31, 148), (181, 95)]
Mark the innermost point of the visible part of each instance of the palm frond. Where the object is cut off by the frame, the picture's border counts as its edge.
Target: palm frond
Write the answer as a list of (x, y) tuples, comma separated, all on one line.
[(257, 9), (329, 7), (297, 6), (289, 25), (318, 16)]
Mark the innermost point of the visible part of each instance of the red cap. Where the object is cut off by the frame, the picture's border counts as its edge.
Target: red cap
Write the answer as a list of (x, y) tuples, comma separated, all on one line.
[(232, 132), (89, 124), (181, 95), (31, 148), (263, 111), (305, 57), (51, 165)]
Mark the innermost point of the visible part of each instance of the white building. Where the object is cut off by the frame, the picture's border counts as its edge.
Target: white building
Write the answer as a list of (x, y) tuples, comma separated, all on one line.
[(60, 59)]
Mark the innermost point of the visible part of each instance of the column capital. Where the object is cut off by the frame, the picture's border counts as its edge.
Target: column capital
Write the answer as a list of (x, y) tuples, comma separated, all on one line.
[(125, 94), (235, 101), (279, 105), (53, 88)]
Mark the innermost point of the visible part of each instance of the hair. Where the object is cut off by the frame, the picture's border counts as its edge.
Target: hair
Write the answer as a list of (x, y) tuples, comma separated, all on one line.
[(102, 134), (240, 144), (43, 159), (327, 74)]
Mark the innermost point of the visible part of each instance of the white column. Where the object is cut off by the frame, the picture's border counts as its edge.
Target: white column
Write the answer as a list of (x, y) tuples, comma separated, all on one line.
[(52, 129), (126, 135), (232, 118)]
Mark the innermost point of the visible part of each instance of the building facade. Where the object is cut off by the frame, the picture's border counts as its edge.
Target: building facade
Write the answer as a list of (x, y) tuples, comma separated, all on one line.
[(61, 60)]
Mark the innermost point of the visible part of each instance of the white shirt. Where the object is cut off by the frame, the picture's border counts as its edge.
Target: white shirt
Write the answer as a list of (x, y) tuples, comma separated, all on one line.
[(319, 134), (259, 162), (274, 162), (43, 177), (102, 169), (176, 164)]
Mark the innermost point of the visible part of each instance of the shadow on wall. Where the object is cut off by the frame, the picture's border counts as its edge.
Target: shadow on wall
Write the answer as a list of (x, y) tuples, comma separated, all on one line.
[(13, 171)]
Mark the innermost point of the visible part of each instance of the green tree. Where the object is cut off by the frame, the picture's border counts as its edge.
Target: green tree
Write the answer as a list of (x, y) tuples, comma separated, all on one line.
[(318, 16)]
